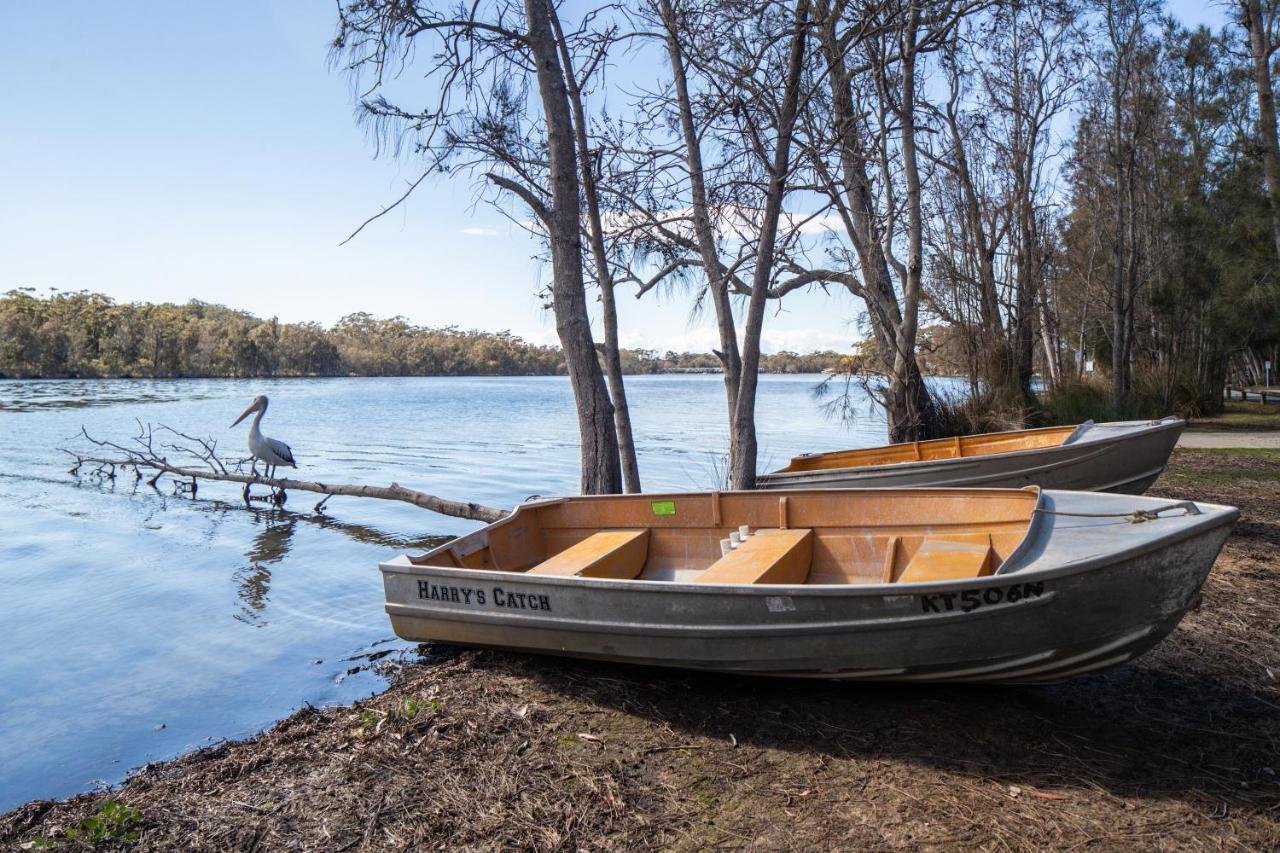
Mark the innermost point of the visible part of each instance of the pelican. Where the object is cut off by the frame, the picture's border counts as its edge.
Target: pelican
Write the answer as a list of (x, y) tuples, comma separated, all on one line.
[(269, 450)]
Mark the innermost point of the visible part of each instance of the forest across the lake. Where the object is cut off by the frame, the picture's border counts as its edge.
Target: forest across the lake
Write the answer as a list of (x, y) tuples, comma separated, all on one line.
[(89, 335)]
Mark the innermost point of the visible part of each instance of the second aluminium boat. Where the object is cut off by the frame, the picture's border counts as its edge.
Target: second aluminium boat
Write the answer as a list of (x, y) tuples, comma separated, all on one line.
[(1123, 456)]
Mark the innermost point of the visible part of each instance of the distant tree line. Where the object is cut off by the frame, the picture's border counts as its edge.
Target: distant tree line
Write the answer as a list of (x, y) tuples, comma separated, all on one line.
[(650, 361), (87, 335)]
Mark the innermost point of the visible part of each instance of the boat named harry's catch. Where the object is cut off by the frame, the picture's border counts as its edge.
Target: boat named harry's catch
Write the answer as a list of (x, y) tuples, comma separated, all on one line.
[(1124, 456), (926, 584)]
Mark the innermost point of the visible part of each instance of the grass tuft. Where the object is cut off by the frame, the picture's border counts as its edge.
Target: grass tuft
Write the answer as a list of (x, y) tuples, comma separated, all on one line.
[(112, 824)]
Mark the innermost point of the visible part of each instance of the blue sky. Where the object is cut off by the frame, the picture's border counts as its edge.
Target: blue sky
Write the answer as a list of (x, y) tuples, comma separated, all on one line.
[(170, 151)]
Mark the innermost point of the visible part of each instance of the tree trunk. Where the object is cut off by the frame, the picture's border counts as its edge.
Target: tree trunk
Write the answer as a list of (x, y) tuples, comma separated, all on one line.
[(907, 395), (1050, 341), (618, 391), (1119, 367), (601, 473), (1261, 49), (742, 465), (704, 233), (919, 415), (608, 306)]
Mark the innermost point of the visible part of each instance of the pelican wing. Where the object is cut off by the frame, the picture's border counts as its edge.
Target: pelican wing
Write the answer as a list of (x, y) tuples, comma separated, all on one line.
[(279, 448)]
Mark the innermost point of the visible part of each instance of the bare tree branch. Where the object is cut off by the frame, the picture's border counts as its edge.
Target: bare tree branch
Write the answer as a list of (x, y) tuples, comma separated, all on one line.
[(142, 454)]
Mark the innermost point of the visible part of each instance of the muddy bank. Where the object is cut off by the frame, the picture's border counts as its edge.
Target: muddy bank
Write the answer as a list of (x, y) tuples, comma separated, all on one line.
[(492, 750)]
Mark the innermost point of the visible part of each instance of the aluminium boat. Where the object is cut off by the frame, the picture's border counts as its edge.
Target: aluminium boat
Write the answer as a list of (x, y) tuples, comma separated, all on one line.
[(1122, 456), (995, 585)]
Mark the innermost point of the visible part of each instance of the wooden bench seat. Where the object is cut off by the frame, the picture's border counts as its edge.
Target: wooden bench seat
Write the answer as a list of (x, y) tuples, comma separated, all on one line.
[(946, 558), (768, 556), (618, 554)]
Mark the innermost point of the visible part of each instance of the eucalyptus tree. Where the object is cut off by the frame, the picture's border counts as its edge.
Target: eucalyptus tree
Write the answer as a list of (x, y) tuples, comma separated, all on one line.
[(1011, 75), (711, 168), (500, 107), (863, 152)]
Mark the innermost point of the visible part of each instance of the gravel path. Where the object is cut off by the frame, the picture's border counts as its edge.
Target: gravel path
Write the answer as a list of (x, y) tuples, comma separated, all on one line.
[(1232, 438)]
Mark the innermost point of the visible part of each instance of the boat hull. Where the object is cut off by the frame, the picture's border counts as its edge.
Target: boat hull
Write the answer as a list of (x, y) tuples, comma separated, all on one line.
[(1126, 461), (1066, 612)]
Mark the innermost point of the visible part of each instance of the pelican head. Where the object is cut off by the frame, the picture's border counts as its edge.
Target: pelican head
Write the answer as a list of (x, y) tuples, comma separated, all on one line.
[(259, 404)]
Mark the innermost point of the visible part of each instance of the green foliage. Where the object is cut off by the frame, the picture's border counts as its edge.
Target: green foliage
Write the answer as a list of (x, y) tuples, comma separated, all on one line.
[(411, 707), (113, 824), (88, 335), (371, 720), (1172, 190), (1154, 393)]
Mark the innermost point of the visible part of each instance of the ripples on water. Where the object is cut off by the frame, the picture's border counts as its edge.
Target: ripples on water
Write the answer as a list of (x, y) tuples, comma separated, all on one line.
[(138, 625)]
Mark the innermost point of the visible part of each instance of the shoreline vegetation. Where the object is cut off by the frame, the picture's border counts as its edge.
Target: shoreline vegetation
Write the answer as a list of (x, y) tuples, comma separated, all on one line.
[(497, 750), (86, 335)]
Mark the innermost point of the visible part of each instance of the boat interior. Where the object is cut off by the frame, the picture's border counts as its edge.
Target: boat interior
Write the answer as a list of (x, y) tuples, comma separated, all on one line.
[(935, 450), (802, 537)]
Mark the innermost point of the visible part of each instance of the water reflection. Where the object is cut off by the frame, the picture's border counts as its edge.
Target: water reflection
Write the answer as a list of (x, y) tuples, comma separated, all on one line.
[(363, 533), (34, 396), (269, 546)]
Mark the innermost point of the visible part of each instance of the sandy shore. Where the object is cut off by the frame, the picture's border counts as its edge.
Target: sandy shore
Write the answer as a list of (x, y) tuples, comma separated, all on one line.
[(488, 750)]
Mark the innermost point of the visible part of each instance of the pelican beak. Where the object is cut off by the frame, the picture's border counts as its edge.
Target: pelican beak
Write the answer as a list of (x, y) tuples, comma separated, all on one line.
[(253, 407)]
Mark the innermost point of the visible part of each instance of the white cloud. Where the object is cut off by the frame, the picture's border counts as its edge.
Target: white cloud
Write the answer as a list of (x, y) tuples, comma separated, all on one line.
[(544, 337), (805, 340), (479, 232)]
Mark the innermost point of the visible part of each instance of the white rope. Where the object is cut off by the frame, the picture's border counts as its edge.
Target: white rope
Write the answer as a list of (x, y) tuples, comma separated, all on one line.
[(1134, 516)]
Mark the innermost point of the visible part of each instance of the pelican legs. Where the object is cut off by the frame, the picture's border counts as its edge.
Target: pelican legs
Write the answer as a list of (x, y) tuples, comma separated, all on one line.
[(269, 473), (277, 495)]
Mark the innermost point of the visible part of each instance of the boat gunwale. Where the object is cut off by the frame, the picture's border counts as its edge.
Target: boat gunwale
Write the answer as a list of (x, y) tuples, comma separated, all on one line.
[(1212, 516), (782, 475)]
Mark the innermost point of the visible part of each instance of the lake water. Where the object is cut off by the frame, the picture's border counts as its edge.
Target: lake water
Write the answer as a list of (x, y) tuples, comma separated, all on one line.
[(137, 624)]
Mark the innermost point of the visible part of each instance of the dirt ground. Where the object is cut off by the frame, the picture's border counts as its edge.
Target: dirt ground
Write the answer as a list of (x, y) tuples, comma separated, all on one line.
[(486, 750)]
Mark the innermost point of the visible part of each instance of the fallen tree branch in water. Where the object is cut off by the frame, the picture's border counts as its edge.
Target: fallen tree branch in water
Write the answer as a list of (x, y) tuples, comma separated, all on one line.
[(152, 447)]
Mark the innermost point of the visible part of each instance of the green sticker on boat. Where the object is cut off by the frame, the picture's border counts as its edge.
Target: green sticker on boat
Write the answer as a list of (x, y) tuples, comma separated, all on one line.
[(664, 507)]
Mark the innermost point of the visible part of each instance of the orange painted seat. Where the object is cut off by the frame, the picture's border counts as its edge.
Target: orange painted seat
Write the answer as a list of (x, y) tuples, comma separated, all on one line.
[(945, 558), (768, 556), (618, 554)]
